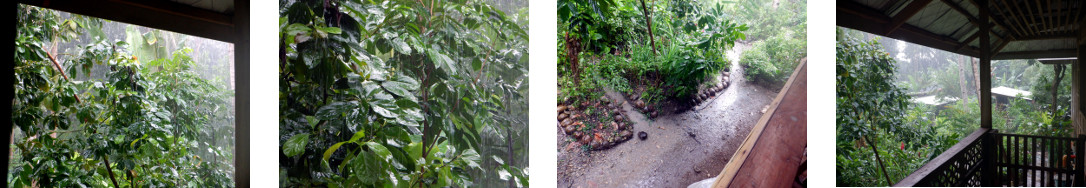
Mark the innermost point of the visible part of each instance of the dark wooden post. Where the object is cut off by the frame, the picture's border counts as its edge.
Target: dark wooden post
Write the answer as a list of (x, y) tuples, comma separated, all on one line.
[(985, 66), (241, 98), (9, 49), (1077, 110), (988, 157)]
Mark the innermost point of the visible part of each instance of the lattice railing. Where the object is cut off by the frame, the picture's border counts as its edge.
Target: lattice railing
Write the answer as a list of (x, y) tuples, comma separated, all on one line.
[(1009, 160), (959, 166), (1026, 160)]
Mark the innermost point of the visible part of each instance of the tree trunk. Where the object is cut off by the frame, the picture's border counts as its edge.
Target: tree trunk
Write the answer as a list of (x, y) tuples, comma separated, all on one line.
[(1056, 87), (110, 169), (648, 22), (963, 77), (878, 159), (509, 155)]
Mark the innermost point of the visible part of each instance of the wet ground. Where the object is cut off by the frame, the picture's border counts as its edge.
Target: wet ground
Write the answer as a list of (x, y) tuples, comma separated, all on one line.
[(681, 148)]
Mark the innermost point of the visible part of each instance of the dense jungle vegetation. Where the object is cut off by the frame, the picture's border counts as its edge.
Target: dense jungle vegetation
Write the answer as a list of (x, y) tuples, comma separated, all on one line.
[(102, 104), (884, 134), (402, 93), (672, 48)]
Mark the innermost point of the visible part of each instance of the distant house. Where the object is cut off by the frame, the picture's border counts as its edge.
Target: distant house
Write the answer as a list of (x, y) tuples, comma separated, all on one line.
[(933, 100), (1003, 95)]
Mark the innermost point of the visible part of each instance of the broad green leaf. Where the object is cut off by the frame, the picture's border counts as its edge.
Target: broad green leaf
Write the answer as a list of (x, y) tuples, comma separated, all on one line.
[(295, 145), (382, 111), (330, 30), (397, 88), (328, 153), (441, 61)]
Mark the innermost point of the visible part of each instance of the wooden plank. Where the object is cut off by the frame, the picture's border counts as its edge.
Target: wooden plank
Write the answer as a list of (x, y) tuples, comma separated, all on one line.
[(909, 11), (170, 16), (773, 151), (1058, 53)]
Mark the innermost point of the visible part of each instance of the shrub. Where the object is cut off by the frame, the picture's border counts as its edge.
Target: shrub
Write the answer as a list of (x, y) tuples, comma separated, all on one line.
[(772, 61)]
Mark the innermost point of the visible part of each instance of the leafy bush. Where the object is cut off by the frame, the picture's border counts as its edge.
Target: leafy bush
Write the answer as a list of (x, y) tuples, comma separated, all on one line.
[(691, 49), (142, 125), (870, 111), (772, 61), (401, 94)]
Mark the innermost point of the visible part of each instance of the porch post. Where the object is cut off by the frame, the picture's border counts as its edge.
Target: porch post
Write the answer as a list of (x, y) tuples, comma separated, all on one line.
[(1078, 119), (987, 177), (985, 67)]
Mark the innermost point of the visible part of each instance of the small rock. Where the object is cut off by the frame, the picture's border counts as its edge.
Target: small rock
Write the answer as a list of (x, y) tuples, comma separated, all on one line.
[(642, 135), (562, 108), (724, 85), (726, 79), (570, 129), (640, 104), (567, 122), (614, 126), (619, 118), (562, 116), (653, 115), (626, 134)]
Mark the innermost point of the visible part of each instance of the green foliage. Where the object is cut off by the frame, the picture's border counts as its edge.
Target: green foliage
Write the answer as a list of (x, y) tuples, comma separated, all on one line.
[(772, 61), (401, 94), (773, 17), (691, 47), (869, 106), (142, 127), (868, 100)]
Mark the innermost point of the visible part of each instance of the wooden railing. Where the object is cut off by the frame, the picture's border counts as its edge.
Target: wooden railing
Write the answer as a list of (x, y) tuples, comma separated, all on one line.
[(959, 166), (1025, 160), (989, 158)]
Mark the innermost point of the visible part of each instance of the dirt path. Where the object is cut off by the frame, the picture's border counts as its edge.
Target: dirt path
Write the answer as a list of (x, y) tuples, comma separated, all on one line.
[(670, 157)]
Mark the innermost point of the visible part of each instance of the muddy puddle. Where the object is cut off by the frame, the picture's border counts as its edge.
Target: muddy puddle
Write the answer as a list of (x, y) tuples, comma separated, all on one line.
[(681, 148)]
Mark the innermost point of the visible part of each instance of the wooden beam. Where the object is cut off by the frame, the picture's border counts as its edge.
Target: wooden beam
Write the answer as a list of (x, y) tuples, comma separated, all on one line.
[(1035, 54), (773, 150), (242, 92), (856, 16), (967, 41), (962, 11), (985, 68), (165, 15), (973, 19), (8, 49), (1078, 83), (1002, 44), (904, 15), (1018, 16), (1047, 37)]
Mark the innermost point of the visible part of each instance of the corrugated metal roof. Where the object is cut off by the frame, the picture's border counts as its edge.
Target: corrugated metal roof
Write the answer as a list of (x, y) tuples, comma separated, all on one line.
[(1021, 28), (1011, 92)]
